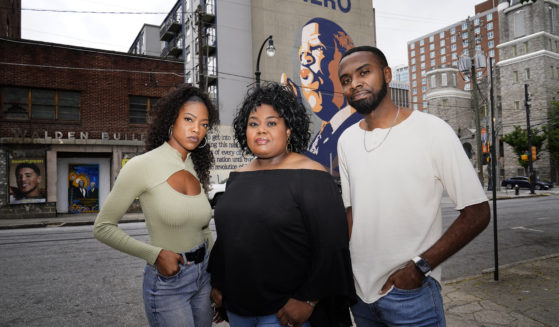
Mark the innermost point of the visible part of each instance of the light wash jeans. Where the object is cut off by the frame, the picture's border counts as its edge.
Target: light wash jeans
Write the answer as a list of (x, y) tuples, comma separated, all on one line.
[(419, 307), (179, 300), (257, 321)]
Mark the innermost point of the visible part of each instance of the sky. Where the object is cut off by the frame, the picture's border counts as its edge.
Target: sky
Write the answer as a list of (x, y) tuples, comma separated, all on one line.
[(397, 21)]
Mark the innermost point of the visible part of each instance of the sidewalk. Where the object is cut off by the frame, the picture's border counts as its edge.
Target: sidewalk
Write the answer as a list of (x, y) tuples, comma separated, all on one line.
[(526, 294)]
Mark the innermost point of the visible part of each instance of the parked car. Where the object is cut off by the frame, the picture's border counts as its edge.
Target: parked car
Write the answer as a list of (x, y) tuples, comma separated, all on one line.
[(524, 182), (215, 191)]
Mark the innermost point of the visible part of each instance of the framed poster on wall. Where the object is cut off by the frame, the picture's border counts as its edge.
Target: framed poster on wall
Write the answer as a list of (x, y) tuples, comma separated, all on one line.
[(83, 191), (27, 181)]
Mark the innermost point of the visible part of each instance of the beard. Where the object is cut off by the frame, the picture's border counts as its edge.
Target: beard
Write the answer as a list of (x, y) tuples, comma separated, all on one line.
[(366, 106)]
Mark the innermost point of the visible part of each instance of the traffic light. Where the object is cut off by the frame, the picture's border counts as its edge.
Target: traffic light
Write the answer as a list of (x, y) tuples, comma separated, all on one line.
[(524, 157), (486, 158), (533, 153)]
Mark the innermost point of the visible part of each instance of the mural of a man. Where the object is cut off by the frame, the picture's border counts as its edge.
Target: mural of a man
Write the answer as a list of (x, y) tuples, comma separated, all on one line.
[(323, 43), (28, 179), (93, 192)]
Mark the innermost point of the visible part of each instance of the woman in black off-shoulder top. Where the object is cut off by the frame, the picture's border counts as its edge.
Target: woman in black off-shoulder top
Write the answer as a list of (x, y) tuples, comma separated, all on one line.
[(281, 254)]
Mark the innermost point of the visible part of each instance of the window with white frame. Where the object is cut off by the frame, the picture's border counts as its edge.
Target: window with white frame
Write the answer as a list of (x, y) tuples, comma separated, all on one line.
[(441, 35), (492, 53), (431, 38), (491, 44), (490, 25), (442, 43), (443, 51), (489, 16), (432, 46), (453, 38), (490, 35), (432, 54), (444, 79), (443, 59), (452, 30)]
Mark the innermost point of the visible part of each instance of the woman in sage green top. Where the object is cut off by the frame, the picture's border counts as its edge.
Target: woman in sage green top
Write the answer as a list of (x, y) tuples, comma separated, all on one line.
[(170, 181)]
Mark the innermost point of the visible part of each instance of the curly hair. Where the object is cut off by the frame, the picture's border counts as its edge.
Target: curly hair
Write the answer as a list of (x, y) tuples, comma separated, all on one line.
[(284, 101), (164, 115)]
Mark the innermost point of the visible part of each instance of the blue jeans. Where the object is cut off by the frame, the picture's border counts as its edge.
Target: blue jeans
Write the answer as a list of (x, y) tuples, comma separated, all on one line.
[(179, 300), (257, 321), (419, 307)]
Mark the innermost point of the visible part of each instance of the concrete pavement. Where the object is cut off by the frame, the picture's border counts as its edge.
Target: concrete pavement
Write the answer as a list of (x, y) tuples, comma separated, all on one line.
[(526, 294)]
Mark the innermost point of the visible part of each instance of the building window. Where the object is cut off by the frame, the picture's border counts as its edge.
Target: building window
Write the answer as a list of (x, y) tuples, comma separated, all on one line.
[(433, 82), (453, 30), (422, 65), (431, 38), (414, 90), (454, 56), (467, 87), (515, 76), (445, 103), (466, 52), (513, 50), (479, 75), (414, 83), (413, 61), (422, 73), (526, 47), (421, 42), (432, 62), (139, 108), (477, 31), (412, 53), (441, 35), (432, 46), (453, 38), (442, 43), (423, 81), (421, 50), (491, 44), (453, 47), (476, 21), (443, 59), (516, 105), (465, 36), (43, 104), (492, 53), (465, 43), (424, 88), (443, 51), (413, 68), (464, 26), (415, 98), (490, 35), (189, 77), (432, 54), (490, 25), (527, 73), (415, 107), (412, 46), (444, 80), (478, 47), (422, 58), (518, 27)]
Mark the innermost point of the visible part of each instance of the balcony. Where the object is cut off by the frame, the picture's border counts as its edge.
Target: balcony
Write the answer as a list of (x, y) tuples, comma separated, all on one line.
[(173, 49), (169, 28)]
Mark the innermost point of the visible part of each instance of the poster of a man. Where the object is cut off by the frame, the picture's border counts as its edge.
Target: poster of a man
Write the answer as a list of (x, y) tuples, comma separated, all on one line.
[(321, 46), (83, 195), (27, 184)]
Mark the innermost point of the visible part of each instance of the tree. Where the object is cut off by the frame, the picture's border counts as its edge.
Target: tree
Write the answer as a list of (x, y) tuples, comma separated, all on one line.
[(518, 140)]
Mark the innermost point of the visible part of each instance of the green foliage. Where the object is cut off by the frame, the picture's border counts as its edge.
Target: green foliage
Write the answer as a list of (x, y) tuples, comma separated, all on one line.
[(518, 140)]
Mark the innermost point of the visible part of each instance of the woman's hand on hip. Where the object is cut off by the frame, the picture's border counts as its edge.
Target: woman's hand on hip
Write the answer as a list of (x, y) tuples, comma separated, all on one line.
[(168, 262), (294, 313)]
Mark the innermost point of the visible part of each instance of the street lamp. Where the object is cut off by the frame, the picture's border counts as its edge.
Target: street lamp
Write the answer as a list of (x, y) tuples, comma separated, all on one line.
[(467, 66), (270, 51)]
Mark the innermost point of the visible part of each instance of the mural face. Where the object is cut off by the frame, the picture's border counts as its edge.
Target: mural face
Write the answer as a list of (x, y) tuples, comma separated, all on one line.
[(322, 44), (27, 184)]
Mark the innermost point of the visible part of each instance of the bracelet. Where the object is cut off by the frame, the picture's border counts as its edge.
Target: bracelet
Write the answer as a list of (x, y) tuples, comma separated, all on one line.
[(310, 303)]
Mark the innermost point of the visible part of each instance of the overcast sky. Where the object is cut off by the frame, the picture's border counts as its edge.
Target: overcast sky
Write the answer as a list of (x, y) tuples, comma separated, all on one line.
[(397, 21)]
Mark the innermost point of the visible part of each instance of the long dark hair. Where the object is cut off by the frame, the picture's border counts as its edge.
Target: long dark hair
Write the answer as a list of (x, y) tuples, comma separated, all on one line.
[(163, 116)]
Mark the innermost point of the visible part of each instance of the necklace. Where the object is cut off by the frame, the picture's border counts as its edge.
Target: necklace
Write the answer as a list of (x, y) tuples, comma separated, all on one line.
[(385, 136)]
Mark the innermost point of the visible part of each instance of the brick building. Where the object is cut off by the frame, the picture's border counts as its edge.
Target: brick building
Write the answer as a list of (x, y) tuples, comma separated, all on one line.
[(76, 113)]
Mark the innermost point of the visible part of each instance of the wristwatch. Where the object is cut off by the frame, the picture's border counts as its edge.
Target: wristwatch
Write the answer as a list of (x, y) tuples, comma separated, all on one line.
[(422, 265)]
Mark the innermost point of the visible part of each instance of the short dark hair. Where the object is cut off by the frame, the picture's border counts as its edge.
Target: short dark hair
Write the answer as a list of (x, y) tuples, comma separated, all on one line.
[(28, 165), (284, 101), (375, 51)]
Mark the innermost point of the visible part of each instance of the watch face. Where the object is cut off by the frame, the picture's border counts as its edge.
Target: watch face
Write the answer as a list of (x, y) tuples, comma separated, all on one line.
[(423, 266)]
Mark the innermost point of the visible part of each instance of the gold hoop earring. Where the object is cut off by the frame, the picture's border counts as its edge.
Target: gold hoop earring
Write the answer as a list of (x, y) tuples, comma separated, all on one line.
[(206, 143), (288, 146)]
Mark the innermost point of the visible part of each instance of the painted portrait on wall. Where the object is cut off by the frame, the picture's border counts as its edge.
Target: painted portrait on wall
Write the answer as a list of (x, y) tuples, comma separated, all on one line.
[(83, 192), (321, 44), (27, 181)]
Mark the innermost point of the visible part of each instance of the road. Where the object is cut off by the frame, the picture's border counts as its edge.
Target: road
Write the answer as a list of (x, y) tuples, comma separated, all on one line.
[(63, 277)]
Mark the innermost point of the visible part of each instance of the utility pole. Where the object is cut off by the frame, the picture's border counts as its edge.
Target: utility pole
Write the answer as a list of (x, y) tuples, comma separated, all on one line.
[(493, 170), (183, 29), (529, 134), (201, 64), (473, 78)]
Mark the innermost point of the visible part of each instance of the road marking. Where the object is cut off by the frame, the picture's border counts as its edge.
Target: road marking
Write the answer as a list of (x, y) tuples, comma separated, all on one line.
[(528, 229)]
